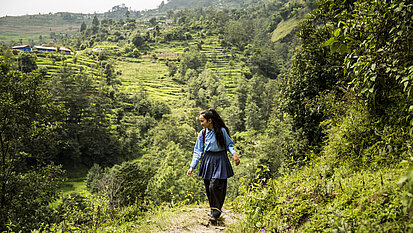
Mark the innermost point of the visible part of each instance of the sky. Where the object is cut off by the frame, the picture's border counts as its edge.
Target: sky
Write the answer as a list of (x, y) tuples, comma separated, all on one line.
[(30, 7)]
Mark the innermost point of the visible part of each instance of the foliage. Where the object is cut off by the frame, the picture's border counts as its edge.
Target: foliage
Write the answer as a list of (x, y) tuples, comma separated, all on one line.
[(85, 137), (325, 196), (325, 136), (26, 62), (206, 91), (352, 184), (170, 183), (27, 184), (93, 177), (378, 52)]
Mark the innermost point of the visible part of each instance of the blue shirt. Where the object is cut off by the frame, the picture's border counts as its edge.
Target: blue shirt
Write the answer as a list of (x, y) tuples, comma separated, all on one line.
[(211, 144)]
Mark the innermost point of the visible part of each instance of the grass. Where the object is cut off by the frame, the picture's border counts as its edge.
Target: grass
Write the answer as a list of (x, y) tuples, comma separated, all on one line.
[(151, 75), (16, 28), (83, 63), (284, 28), (74, 185)]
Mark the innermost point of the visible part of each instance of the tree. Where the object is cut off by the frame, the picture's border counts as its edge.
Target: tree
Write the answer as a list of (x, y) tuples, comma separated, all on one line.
[(315, 70), (239, 33), (168, 184), (27, 186), (95, 21), (27, 62), (86, 136), (236, 114), (206, 90), (152, 21), (192, 59), (254, 109), (83, 26), (138, 41), (170, 14)]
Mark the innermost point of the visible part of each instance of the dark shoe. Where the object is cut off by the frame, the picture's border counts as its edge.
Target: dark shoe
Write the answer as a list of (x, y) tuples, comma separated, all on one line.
[(212, 219)]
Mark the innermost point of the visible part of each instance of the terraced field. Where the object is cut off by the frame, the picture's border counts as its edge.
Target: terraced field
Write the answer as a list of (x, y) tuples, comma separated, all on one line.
[(147, 72), (152, 74), (56, 62)]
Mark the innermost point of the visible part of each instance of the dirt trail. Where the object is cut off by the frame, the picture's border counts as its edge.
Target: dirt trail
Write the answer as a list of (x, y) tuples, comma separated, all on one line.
[(196, 220)]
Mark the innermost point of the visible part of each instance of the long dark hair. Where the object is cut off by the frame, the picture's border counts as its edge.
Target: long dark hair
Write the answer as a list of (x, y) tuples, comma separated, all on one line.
[(217, 123)]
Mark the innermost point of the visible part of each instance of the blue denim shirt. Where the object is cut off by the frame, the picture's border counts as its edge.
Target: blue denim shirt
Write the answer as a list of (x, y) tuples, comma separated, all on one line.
[(211, 144)]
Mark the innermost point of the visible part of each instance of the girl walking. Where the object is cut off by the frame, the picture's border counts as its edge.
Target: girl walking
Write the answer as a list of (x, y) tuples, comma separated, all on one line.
[(213, 142)]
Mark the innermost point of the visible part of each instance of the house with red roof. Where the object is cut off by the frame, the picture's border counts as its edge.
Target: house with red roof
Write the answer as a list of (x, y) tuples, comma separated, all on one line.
[(25, 48)]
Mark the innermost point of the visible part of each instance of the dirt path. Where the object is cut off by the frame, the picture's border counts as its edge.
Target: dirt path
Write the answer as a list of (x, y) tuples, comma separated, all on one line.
[(195, 219)]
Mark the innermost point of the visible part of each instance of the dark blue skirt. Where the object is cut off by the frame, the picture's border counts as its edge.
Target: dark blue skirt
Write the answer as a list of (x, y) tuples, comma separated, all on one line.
[(215, 165)]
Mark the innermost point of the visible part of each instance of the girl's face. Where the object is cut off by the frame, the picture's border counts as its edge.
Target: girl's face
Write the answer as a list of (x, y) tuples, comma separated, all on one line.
[(205, 123)]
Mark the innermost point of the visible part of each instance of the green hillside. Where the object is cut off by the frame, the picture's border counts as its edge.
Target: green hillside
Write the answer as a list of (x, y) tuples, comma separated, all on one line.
[(316, 96), (41, 29)]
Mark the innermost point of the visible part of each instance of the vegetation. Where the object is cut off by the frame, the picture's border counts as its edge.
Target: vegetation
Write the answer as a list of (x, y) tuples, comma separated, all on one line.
[(317, 96)]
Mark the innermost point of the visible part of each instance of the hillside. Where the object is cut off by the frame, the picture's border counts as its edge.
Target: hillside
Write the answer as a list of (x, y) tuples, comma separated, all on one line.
[(42, 28), (191, 4), (101, 140)]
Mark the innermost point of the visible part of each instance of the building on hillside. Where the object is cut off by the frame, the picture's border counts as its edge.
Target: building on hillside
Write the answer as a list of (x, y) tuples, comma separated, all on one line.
[(25, 48), (169, 22), (65, 50), (45, 49)]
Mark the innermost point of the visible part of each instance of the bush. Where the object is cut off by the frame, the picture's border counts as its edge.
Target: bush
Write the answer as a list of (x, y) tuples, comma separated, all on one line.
[(28, 197), (122, 184), (328, 197)]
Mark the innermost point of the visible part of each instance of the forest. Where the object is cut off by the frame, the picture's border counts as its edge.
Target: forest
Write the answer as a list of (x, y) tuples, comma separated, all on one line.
[(316, 95)]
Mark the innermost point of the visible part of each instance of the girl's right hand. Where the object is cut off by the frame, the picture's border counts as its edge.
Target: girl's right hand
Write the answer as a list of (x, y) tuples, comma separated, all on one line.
[(189, 172)]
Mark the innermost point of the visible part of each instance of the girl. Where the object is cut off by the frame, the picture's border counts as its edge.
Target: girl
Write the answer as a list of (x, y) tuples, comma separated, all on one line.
[(213, 142)]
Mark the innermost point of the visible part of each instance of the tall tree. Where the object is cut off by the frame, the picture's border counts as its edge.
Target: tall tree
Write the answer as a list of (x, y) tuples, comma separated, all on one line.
[(27, 62), (95, 21), (82, 26), (27, 119)]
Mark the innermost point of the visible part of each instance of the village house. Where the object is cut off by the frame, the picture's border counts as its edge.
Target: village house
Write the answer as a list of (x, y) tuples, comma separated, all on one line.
[(45, 49), (65, 50), (25, 48)]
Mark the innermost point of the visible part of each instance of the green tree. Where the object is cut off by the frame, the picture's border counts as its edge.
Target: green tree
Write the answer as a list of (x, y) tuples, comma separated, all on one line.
[(153, 21), (315, 70), (170, 184), (86, 136), (236, 114), (254, 108), (192, 59), (239, 33), (26, 62), (381, 70), (206, 90), (83, 26), (28, 121), (138, 41), (95, 21)]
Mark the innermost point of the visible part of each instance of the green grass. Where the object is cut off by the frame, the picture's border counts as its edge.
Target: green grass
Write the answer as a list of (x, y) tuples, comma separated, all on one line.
[(83, 64), (74, 185), (151, 75), (284, 28), (29, 27)]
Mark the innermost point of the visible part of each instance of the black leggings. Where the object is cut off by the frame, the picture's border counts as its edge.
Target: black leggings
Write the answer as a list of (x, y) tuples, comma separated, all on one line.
[(216, 190)]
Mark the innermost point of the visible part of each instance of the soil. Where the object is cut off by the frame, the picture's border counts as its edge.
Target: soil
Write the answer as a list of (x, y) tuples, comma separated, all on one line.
[(196, 220)]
